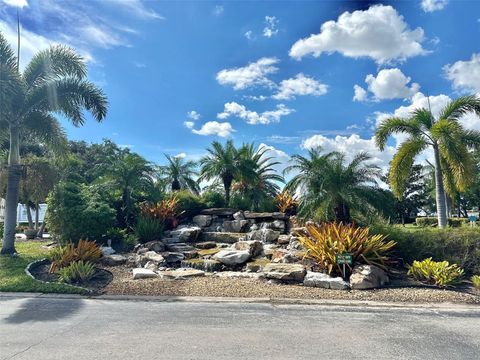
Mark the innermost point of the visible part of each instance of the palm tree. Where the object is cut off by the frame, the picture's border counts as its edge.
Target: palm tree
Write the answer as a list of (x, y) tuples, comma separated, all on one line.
[(131, 175), (329, 188), (221, 163), (180, 173), (451, 145), (54, 82), (256, 180)]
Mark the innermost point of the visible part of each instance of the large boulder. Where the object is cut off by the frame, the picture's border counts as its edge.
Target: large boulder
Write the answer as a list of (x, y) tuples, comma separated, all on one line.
[(284, 239), (154, 257), (254, 247), (206, 245), (173, 257), (316, 279), (186, 234), (264, 235), (113, 260), (235, 226), (202, 220), (181, 273), (264, 215), (141, 273), (218, 211), (285, 272), (222, 237), (285, 256), (239, 215), (155, 245), (232, 257), (368, 277)]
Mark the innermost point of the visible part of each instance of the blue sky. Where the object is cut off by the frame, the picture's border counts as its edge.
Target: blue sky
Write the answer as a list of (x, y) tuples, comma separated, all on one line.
[(289, 75)]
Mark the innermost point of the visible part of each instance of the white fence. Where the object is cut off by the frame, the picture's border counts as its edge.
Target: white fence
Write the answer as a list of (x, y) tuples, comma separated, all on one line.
[(22, 212)]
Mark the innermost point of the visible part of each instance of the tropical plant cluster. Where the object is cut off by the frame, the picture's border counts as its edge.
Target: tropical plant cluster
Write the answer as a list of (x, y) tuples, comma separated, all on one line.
[(439, 273)]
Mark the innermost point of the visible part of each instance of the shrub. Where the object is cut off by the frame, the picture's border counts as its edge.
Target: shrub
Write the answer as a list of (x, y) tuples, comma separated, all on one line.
[(458, 245), (121, 240), (166, 211), (148, 229), (433, 221), (77, 272), (63, 256), (286, 202), (76, 212), (213, 199), (189, 204), (440, 273), (476, 281), (324, 242)]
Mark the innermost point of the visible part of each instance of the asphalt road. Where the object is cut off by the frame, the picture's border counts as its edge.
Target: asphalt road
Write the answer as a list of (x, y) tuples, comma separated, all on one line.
[(41, 328)]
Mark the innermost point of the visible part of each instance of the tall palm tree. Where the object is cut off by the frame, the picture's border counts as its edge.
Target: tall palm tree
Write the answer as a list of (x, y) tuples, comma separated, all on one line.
[(451, 145), (256, 180), (180, 174), (53, 82), (221, 163), (330, 188)]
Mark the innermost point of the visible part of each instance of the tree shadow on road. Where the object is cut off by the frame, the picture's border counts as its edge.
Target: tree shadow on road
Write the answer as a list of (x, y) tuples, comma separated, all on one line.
[(42, 309)]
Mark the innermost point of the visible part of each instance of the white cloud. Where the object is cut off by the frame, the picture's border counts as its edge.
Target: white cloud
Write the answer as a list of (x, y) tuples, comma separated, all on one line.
[(391, 84), (350, 146), (252, 117), (189, 124), (433, 5), (139, 65), (280, 139), (218, 10), (193, 115), (137, 8), (223, 129), (300, 85), (251, 75), (360, 94), (379, 33), (249, 34), (255, 97), (102, 37), (270, 29), (181, 155), (465, 75), (16, 3)]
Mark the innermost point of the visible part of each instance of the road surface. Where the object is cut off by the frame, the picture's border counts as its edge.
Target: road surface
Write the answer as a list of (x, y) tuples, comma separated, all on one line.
[(44, 328)]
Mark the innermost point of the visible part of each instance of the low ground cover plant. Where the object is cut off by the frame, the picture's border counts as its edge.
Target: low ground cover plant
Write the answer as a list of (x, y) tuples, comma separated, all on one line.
[(77, 272), (476, 281), (63, 256), (439, 273), (324, 242)]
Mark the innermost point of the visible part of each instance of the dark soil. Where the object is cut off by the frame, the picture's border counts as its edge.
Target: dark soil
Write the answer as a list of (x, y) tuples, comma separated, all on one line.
[(96, 284)]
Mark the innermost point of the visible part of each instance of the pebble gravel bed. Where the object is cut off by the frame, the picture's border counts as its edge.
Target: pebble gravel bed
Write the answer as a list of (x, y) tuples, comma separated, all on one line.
[(210, 286)]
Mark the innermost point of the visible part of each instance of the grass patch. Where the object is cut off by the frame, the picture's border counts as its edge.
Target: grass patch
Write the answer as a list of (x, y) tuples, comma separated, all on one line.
[(12, 271)]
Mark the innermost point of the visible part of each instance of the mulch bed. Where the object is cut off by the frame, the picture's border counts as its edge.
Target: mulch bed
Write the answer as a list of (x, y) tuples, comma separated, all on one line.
[(123, 284), (96, 284)]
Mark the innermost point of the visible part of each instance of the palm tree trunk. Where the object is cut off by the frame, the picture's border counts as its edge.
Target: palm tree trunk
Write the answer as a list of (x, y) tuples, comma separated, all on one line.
[(227, 184), (440, 191), (29, 216), (41, 230), (13, 189), (37, 215)]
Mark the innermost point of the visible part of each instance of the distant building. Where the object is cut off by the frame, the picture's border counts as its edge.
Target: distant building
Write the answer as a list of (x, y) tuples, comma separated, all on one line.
[(22, 212)]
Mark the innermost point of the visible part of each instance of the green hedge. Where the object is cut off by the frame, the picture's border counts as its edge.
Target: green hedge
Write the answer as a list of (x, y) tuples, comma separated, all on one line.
[(433, 221), (457, 245)]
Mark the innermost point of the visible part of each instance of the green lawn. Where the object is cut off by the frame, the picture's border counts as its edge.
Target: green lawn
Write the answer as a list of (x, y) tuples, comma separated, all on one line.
[(13, 276)]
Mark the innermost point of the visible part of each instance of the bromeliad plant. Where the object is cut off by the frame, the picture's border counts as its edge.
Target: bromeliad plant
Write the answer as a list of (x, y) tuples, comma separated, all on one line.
[(63, 256), (439, 273), (324, 242), (77, 272), (286, 202), (165, 211)]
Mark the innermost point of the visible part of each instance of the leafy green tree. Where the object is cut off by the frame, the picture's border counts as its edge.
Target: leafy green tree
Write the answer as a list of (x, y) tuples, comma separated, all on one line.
[(54, 82), (220, 164), (330, 188), (451, 145), (180, 174)]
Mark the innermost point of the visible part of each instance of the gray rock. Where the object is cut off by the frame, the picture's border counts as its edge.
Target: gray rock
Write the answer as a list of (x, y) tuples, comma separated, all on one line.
[(154, 257), (186, 234), (368, 277), (203, 264), (285, 256), (107, 250), (237, 275), (150, 265), (114, 260), (202, 220), (239, 215), (222, 237), (279, 225), (173, 257), (171, 240), (316, 279), (219, 211), (181, 273), (235, 226), (155, 245), (284, 239), (180, 247), (285, 272), (206, 245), (269, 249), (264, 235), (294, 244), (254, 247), (232, 257), (141, 273)]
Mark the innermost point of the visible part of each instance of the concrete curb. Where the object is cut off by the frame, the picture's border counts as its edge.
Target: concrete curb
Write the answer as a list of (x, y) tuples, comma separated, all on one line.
[(270, 301)]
